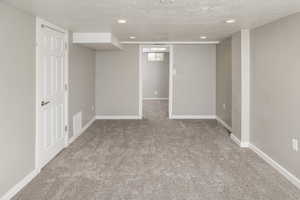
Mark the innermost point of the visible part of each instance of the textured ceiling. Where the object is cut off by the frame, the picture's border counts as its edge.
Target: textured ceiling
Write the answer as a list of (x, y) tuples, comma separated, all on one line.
[(150, 20)]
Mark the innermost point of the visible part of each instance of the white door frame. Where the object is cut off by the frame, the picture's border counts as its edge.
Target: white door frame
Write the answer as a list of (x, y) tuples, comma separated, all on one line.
[(171, 63), (171, 81), (39, 23)]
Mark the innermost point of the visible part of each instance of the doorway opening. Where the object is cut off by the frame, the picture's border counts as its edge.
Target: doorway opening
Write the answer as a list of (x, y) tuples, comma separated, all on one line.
[(155, 81)]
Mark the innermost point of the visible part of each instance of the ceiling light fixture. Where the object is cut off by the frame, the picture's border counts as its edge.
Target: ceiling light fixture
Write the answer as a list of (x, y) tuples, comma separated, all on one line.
[(132, 37), (203, 37), (230, 21), (122, 21)]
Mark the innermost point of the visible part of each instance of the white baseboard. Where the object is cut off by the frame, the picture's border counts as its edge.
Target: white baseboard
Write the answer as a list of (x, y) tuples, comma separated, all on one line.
[(293, 179), (150, 99), (238, 142), (19, 186), (193, 117), (235, 139), (72, 139), (223, 123), (116, 117), (88, 125), (12, 192), (245, 144)]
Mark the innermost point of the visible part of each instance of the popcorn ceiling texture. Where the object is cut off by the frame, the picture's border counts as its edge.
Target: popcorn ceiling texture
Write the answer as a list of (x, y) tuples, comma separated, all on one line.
[(157, 159), (153, 20)]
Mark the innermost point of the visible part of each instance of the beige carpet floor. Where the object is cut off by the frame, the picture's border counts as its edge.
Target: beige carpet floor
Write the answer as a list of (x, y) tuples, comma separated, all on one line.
[(157, 159)]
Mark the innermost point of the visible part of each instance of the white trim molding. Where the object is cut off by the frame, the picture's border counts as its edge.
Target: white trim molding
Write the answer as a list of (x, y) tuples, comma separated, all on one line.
[(117, 117), (140, 82), (170, 42), (171, 63), (292, 178), (235, 139), (193, 117), (288, 175), (155, 99), (223, 123), (238, 141), (20, 185), (245, 84), (245, 144), (72, 139), (171, 81)]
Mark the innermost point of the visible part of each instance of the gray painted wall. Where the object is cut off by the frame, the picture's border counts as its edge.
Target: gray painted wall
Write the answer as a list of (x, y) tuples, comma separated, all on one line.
[(155, 77), (17, 102), (117, 81), (236, 85), (275, 96), (195, 82), (81, 83), (224, 81)]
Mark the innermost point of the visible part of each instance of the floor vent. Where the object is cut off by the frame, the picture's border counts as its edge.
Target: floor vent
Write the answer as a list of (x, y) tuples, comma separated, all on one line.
[(77, 123)]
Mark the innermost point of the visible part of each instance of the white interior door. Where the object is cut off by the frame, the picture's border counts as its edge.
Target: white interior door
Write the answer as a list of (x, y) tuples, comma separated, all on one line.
[(51, 68)]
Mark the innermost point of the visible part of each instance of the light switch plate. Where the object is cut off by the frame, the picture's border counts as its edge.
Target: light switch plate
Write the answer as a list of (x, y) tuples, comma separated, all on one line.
[(295, 145), (174, 72)]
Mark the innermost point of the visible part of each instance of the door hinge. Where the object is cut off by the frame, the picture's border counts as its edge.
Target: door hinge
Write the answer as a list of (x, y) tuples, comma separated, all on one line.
[(66, 87), (66, 45), (66, 128)]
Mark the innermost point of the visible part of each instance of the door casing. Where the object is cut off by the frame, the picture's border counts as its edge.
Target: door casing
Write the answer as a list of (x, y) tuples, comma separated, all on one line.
[(171, 83)]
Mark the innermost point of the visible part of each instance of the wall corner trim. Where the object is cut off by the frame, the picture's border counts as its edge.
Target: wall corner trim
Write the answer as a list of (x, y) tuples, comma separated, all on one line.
[(72, 139), (245, 86), (224, 123), (20, 185), (288, 175)]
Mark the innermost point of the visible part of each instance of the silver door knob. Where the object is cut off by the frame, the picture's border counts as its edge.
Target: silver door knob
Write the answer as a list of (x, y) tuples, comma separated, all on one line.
[(43, 103)]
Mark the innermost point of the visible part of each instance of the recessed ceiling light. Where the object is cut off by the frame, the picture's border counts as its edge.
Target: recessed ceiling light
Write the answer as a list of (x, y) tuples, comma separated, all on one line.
[(122, 21), (132, 37), (230, 21), (203, 37)]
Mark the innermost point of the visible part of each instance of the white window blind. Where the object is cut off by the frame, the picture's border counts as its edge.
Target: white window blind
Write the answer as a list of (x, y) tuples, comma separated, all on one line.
[(152, 57)]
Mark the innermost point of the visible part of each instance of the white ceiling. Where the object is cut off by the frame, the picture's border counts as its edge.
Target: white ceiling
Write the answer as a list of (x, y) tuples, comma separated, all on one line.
[(149, 20)]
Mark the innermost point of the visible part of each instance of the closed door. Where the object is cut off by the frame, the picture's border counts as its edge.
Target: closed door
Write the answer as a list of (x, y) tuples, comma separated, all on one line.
[(51, 64)]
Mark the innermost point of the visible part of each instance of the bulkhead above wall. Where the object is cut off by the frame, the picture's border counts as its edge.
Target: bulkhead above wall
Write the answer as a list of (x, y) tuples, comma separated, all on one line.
[(97, 41)]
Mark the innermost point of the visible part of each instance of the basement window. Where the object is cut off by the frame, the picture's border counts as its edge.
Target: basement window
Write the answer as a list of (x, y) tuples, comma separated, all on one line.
[(154, 57)]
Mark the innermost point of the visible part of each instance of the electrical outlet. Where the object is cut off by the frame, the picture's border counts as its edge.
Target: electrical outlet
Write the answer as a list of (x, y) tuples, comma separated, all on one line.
[(155, 93), (295, 144)]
